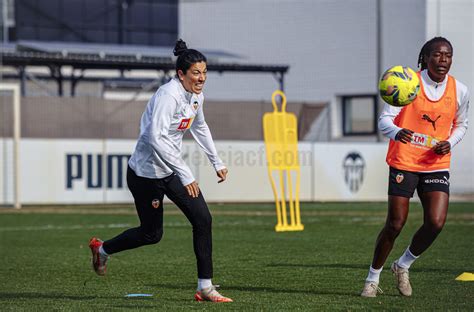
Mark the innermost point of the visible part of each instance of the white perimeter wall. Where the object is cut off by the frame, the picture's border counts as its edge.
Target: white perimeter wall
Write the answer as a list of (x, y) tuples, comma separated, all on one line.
[(48, 165)]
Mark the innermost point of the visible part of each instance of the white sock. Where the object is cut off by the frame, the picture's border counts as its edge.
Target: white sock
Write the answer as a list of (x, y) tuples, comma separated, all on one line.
[(102, 252), (374, 275), (407, 259), (204, 283)]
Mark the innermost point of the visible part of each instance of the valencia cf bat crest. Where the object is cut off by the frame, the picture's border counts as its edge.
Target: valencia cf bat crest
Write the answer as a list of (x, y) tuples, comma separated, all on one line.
[(399, 178)]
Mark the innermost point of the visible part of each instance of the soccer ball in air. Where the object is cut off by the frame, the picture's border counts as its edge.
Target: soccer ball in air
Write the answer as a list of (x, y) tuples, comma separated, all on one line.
[(399, 85)]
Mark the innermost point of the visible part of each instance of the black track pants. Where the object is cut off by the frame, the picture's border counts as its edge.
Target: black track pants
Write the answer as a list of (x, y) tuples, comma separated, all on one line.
[(148, 195)]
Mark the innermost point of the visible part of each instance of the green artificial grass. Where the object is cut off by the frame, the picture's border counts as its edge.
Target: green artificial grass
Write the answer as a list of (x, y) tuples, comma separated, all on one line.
[(45, 260)]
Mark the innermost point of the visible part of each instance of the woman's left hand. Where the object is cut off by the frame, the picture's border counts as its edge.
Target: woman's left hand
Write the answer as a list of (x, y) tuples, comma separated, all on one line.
[(442, 148), (222, 174)]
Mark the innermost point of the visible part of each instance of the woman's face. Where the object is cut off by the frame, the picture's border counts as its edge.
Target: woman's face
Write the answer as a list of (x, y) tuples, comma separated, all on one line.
[(194, 79), (439, 61)]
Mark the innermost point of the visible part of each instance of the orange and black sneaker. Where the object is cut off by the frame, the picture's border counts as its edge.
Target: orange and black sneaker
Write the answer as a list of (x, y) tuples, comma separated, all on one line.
[(210, 294), (99, 262)]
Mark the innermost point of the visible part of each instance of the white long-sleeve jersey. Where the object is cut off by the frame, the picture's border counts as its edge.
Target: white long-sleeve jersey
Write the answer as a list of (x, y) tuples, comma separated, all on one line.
[(169, 113), (434, 91)]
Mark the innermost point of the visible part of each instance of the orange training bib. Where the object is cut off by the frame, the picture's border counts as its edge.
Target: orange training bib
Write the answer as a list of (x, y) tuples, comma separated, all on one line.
[(432, 122)]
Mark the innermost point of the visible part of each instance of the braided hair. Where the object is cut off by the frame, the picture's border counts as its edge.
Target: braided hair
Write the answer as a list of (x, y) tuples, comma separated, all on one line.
[(186, 57), (427, 49)]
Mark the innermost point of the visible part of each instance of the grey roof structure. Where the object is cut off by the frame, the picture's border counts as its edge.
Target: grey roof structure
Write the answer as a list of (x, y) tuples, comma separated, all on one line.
[(111, 56), (103, 50)]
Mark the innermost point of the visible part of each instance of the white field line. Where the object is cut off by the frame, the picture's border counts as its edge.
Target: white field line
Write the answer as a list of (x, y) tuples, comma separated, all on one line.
[(310, 217), (236, 213), (239, 213), (50, 227), (221, 224)]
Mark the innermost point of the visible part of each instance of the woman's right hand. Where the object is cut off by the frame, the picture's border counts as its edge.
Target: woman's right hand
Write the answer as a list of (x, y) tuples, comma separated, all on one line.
[(404, 136), (193, 189)]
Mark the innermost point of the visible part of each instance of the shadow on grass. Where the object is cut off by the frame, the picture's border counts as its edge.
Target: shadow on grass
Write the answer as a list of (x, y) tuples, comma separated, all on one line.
[(141, 307), (319, 266), (32, 295), (361, 267), (268, 289)]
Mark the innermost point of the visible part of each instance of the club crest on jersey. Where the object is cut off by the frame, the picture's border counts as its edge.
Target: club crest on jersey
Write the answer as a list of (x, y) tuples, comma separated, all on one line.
[(399, 178), (185, 123), (155, 203), (195, 105), (448, 100)]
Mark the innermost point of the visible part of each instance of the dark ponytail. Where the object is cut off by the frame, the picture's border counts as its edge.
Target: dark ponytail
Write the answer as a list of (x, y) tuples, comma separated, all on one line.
[(428, 48), (186, 57)]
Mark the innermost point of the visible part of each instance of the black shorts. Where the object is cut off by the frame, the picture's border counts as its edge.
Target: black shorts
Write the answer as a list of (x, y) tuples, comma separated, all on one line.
[(403, 183)]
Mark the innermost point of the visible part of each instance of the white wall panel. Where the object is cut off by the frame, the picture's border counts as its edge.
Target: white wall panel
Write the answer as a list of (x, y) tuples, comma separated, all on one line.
[(76, 172), (331, 165)]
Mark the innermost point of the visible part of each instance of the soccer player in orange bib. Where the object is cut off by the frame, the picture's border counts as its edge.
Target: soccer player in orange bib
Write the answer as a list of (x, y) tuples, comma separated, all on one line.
[(422, 135)]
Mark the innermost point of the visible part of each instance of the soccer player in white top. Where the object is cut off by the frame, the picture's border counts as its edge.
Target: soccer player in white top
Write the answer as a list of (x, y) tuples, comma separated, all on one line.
[(157, 168)]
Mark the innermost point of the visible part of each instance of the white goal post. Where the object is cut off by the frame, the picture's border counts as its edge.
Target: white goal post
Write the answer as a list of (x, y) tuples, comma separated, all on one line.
[(15, 90)]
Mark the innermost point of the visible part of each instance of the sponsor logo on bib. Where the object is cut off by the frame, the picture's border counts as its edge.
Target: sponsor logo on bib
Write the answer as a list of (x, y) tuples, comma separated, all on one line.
[(431, 121), (423, 140)]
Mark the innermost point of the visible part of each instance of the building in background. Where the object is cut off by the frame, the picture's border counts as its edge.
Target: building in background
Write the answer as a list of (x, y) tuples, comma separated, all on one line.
[(334, 55), (327, 55)]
